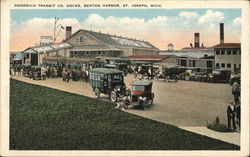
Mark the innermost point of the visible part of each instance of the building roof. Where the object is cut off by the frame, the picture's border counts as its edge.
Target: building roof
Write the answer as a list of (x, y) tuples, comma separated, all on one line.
[(95, 48), (228, 45), (141, 83), (18, 56), (48, 48), (117, 58), (152, 57), (108, 39), (194, 48), (105, 71)]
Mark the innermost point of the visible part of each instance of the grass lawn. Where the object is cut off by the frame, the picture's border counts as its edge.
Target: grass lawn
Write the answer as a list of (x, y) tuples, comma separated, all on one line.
[(42, 118)]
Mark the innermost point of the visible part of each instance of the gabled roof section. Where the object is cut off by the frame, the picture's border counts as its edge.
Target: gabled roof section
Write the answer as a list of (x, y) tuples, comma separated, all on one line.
[(117, 40), (228, 45)]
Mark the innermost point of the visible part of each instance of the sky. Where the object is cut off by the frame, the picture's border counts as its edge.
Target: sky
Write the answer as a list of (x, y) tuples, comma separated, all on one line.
[(157, 26)]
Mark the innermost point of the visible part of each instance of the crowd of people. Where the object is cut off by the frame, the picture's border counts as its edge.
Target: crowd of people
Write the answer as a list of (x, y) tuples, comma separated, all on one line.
[(51, 71)]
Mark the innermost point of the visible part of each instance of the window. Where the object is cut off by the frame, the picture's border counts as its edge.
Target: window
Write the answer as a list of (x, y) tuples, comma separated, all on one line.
[(217, 65), (99, 52), (238, 51), (86, 52), (228, 65), (193, 63), (223, 65), (75, 53), (209, 64), (222, 52), (234, 52), (81, 39), (117, 78), (139, 88), (228, 52), (183, 63), (217, 52)]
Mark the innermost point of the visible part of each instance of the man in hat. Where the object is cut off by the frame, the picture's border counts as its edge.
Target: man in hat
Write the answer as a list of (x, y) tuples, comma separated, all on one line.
[(237, 112), (236, 92), (231, 115)]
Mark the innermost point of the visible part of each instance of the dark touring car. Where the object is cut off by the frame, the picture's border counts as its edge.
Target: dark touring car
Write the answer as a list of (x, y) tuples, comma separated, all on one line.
[(141, 95)]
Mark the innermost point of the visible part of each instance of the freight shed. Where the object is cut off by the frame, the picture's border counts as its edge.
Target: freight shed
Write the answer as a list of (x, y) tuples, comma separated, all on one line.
[(94, 44)]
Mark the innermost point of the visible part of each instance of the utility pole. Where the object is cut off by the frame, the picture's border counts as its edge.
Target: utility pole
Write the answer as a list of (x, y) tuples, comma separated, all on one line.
[(56, 26)]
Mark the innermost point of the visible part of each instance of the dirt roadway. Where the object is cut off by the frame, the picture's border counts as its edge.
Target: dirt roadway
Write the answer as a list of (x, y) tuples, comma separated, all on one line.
[(183, 104)]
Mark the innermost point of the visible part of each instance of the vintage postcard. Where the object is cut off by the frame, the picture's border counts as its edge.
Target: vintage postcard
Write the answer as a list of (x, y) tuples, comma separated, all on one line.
[(124, 78)]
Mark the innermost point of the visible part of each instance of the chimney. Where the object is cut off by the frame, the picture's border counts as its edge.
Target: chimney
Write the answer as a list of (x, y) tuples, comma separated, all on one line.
[(68, 31), (221, 33), (196, 39)]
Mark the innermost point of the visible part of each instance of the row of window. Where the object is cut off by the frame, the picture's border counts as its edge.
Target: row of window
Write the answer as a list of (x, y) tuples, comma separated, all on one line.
[(228, 65), (86, 52), (227, 52)]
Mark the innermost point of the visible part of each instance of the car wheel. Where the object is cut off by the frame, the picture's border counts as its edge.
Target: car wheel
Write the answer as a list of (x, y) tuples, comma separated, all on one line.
[(128, 94), (152, 102), (125, 104), (187, 78), (113, 96), (97, 93), (145, 105)]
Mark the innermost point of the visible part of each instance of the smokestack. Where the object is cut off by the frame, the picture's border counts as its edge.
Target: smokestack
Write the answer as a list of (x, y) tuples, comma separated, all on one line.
[(221, 33), (68, 31), (196, 39)]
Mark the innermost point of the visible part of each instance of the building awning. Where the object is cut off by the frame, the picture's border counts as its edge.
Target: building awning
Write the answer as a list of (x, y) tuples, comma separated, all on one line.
[(149, 58), (48, 48)]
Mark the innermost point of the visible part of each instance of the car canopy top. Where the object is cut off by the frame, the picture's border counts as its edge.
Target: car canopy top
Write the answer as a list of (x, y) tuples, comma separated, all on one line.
[(105, 71), (141, 83), (110, 66)]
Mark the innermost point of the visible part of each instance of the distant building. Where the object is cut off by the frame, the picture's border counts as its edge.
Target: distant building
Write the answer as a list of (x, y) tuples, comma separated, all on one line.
[(170, 47), (190, 52), (154, 59), (46, 40), (202, 64), (228, 56)]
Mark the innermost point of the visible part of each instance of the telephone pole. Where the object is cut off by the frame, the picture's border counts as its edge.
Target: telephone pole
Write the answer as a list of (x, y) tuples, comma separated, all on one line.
[(57, 26)]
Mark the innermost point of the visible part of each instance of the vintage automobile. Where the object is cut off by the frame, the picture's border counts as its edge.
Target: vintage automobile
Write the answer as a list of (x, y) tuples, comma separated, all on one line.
[(36, 73), (143, 71), (236, 79), (141, 94), (121, 66), (108, 81), (220, 75)]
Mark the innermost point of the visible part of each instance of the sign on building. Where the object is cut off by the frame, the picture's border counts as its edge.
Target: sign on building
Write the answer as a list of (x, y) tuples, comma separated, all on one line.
[(45, 40)]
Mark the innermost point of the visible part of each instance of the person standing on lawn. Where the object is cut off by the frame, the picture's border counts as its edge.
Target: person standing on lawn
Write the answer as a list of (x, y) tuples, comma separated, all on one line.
[(236, 93), (231, 115), (237, 111), (68, 75)]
